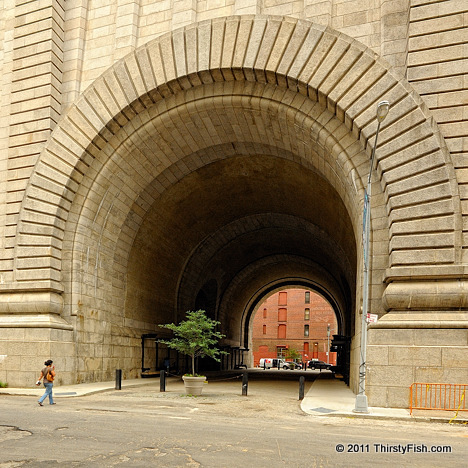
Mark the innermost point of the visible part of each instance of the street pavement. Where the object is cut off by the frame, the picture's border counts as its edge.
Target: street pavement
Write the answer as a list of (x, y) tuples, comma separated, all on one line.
[(94, 425), (327, 396)]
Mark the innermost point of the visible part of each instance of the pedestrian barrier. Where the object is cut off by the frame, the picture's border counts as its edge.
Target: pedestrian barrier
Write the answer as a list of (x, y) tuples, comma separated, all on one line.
[(438, 396)]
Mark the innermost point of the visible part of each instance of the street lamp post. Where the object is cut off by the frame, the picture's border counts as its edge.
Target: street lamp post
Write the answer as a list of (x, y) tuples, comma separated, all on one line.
[(361, 398), (328, 344)]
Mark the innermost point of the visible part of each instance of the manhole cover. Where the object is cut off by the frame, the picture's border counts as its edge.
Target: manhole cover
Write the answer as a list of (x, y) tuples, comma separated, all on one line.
[(323, 410)]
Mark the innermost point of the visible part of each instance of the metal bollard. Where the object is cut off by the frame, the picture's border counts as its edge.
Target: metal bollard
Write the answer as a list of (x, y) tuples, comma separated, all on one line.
[(162, 381), (118, 379), (245, 383), (301, 387)]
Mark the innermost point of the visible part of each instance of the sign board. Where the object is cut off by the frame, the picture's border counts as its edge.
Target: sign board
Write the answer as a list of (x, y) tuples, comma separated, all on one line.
[(372, 318)]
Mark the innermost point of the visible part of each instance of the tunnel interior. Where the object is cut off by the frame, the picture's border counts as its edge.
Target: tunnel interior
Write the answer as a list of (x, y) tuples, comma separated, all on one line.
[(212, 202), (235, 229)]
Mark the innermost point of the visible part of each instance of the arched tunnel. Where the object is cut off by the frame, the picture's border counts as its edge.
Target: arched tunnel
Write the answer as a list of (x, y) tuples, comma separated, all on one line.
[(224, 235), (217, 224), (221, 162)]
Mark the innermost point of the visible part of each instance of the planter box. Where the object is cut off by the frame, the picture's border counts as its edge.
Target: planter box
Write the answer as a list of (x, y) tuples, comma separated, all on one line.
[(193, 385)]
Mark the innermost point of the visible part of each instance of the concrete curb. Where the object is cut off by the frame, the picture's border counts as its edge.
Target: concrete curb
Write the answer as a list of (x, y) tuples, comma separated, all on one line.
[(381, 417)]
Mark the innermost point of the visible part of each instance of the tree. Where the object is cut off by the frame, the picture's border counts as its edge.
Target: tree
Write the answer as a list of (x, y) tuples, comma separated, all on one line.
[(195, 336), (293, 354)]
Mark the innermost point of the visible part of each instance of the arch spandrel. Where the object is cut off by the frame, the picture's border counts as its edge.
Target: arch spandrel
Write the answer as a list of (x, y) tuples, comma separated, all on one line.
[(166, 66)]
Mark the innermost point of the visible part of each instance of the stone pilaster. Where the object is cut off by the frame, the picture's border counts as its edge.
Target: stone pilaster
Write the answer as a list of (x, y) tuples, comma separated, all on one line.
[(35, 106), (6, 65)]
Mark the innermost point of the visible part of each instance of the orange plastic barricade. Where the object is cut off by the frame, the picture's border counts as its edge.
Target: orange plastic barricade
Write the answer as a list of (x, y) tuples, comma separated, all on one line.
[(438, 396)]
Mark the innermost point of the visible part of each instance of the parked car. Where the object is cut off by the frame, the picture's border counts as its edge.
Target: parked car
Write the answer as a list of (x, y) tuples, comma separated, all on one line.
[(272, 363), (319, 365), (292, 365)]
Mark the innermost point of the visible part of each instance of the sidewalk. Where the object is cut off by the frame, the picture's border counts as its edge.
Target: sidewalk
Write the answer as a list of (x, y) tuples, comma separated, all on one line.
[(65, 391), (327, 397)]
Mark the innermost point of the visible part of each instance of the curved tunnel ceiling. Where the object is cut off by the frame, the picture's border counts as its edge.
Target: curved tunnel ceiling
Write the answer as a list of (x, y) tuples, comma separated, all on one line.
[(224, 218)]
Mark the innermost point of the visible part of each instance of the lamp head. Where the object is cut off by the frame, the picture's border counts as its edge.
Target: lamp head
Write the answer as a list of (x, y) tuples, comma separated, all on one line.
[(382, 110)]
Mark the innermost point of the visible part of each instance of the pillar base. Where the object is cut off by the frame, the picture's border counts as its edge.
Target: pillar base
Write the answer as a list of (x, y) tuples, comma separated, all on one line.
[(361, 404)]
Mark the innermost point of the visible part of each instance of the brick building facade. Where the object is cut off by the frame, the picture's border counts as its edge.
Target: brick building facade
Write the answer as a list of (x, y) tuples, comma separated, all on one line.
[(293, 319)]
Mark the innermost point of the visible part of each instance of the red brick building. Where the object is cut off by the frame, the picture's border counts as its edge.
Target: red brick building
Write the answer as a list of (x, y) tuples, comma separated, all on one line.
[(293, 319)]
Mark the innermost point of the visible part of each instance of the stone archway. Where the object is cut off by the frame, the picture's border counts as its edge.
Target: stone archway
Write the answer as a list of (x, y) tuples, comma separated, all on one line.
[(220, 95), (319, 66)]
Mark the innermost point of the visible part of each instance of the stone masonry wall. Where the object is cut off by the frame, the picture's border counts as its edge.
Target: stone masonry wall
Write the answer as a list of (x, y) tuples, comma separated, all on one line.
[(438, 70), (53, 50)]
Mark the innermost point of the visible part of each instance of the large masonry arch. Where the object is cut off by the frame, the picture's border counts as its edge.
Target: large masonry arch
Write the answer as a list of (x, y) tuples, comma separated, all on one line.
[(227, 154)]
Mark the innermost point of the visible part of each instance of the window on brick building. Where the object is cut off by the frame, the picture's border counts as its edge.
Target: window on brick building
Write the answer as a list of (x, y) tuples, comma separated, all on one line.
[(281, 331), (282, 298), (281, 352), (264, 313), (306, 348), (307, 314), (264, 329), (307, 297), (306, 330), (282, 315)]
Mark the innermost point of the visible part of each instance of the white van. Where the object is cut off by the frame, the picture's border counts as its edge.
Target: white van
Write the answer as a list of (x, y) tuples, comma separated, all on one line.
[(268, 363)]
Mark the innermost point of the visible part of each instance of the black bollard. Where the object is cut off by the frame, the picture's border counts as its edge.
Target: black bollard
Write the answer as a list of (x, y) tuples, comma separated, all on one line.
[(162, 381), (301, 387), (118, 379), (245, 383)]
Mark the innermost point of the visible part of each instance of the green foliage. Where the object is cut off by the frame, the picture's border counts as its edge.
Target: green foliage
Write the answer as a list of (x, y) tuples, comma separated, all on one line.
[(293, 354), (3, 384), (195, 336)]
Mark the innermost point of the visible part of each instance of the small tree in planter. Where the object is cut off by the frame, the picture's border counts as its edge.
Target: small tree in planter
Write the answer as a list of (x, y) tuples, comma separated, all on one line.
[(195, 337)]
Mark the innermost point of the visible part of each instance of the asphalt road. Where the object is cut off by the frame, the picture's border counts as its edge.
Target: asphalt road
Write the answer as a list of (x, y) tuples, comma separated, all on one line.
[(141, 427)]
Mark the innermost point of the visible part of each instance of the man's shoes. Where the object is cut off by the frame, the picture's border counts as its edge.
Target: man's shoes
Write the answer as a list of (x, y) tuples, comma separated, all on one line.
[(53, 403), (40, 404)]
